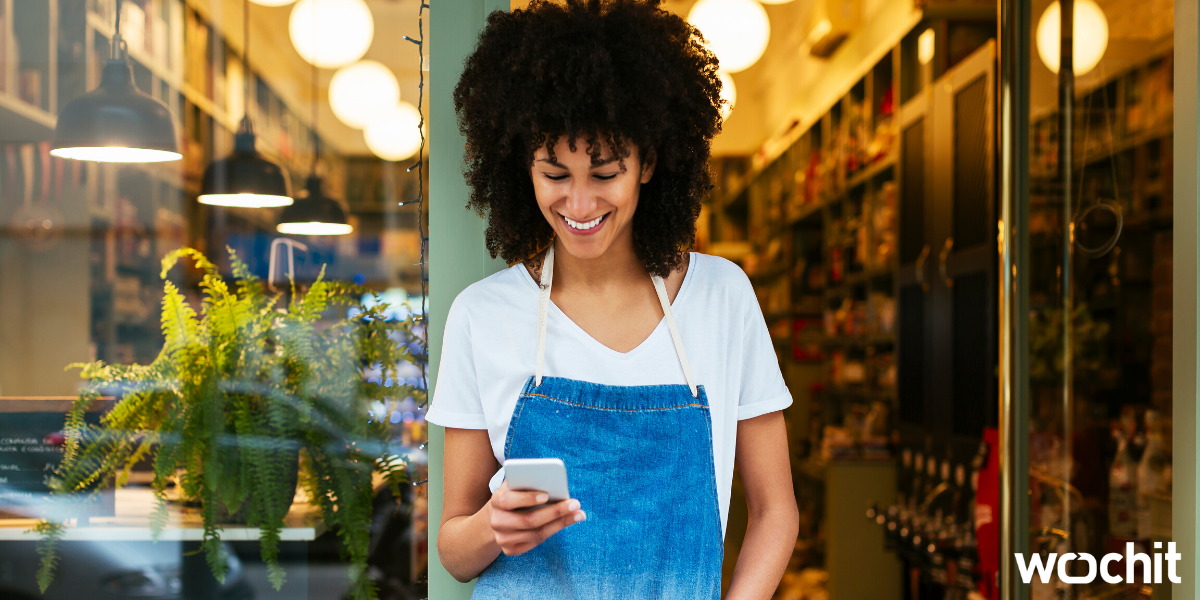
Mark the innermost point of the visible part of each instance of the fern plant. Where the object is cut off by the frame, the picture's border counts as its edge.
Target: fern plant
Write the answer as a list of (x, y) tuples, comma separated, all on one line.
[(246, 400)]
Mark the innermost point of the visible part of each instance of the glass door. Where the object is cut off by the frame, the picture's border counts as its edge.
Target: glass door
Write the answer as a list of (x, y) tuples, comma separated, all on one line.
[(1092, 309)]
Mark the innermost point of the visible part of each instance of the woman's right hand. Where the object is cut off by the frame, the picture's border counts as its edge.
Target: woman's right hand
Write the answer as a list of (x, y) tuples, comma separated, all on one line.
[(517, 532)]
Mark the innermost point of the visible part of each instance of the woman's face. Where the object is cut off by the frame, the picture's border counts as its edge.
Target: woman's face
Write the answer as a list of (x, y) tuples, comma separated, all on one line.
[(589, 207)]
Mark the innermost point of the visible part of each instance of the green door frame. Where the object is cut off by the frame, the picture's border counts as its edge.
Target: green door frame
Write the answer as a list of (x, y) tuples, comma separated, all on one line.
[(1185, 352), (457, 257)]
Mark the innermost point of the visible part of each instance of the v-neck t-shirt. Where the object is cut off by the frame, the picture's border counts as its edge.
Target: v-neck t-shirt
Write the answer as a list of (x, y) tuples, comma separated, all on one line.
[(490, 343)]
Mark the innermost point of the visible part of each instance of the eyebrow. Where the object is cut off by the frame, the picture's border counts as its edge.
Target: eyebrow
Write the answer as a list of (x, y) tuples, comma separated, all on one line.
[(559, 165)]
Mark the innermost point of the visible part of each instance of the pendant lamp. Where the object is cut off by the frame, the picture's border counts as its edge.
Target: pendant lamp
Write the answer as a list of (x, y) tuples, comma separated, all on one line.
[(245, 178), (116, 122), (314, 213)]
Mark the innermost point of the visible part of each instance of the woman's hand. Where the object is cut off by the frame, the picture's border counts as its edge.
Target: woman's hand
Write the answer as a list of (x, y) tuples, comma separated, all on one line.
[(517, 532)]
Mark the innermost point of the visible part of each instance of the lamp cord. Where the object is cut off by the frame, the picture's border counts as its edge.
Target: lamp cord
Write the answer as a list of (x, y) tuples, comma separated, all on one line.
[(246, 65), (316, 139), (114, 52)]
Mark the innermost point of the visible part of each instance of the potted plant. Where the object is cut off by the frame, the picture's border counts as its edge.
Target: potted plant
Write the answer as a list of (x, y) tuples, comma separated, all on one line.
[(246, 401)]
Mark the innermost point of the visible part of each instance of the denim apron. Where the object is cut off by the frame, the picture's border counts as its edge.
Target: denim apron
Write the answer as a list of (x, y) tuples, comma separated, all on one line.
[(639, 460)]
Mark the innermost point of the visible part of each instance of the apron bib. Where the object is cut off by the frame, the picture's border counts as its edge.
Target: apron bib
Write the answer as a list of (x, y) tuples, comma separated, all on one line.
[(640, 461)]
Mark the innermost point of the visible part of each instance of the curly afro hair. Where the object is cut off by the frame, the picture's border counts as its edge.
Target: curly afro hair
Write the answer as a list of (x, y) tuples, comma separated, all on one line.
[(611, 73)]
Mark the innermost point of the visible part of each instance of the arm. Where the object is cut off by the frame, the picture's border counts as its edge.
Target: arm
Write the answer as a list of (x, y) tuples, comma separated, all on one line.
[(762, 459), (478, 525)]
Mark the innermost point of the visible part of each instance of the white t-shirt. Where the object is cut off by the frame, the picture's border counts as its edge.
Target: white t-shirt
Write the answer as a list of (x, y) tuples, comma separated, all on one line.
[(490, 345)]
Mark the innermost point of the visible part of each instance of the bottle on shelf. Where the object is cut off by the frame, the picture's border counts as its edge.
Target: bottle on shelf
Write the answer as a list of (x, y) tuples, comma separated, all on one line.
[(1151, 474), (1122, 492)]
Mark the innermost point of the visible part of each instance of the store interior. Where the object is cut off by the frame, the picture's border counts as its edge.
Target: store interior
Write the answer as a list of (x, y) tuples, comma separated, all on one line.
[(858, 189), (857, 184)]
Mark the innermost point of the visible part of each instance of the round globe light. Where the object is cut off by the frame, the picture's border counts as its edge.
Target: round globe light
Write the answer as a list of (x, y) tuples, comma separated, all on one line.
[(362, 91), (331, 33), (736, 30), (272, 2), (1090, 36), (394, 135), (728, 94)]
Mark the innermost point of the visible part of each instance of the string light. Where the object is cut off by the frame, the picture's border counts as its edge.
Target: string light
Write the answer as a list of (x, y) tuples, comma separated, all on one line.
[(419, 42)]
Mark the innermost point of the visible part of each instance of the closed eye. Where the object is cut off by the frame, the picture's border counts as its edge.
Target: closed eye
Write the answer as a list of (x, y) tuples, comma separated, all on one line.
[(554, 177), (606, 177)]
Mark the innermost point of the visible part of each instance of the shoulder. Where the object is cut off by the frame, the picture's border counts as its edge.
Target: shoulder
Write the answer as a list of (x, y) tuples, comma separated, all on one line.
[(721, 275), (496, 292)]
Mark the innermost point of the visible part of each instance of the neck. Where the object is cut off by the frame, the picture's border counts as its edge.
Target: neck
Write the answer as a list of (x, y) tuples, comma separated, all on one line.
[(619, 265)]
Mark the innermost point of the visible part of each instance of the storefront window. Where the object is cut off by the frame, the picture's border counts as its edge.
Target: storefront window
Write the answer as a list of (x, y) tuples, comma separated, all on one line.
[(1100, 330), (261, 364)]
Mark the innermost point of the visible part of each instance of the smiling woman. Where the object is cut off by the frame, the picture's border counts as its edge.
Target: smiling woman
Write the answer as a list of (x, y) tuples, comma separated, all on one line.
[(645, 368)]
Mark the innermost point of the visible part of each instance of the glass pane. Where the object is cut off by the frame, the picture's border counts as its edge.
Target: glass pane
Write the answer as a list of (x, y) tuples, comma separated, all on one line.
[(229, 398), (1100, 287)]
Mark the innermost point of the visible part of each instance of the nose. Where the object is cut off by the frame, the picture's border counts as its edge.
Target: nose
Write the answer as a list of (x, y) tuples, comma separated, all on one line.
[(581, 200)]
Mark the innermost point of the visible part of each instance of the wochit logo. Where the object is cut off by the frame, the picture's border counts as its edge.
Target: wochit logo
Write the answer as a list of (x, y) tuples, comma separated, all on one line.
[(1045, 569)]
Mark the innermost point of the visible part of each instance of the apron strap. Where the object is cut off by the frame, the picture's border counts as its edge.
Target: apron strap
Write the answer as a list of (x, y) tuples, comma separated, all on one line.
[(661, 288), (544, 307)]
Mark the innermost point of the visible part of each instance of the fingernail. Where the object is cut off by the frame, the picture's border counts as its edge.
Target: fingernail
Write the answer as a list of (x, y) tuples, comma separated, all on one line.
[(579, 516), (542, 497), (572, 505)]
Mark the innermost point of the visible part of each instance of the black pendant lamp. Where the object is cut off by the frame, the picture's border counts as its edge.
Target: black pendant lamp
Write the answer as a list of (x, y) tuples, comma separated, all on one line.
[(245, 178), (314, 213), (116, 122)]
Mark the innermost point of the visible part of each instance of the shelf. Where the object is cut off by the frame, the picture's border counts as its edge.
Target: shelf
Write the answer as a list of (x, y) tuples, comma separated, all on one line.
[(869, 172), (132, 523), (24, 121)]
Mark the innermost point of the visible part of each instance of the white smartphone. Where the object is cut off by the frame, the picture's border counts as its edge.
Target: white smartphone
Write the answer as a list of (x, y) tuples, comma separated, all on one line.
[(542, 474)]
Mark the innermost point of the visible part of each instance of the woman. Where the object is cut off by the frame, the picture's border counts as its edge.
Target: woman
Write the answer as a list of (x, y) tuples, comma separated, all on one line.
[(647, 369)]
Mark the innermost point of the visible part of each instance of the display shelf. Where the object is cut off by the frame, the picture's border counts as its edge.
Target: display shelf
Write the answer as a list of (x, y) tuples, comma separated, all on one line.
[(131, 522)]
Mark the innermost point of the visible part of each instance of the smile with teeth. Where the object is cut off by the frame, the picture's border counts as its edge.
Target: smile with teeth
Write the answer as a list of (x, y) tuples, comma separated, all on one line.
[(584, 225)]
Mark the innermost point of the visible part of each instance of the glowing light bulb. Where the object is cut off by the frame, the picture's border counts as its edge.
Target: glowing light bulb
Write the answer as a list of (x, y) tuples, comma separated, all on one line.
[(362, 92), (736, 31), (394, 135), (331, 33), (116, 154), (1089, 36), (244, 200), (314, 228)]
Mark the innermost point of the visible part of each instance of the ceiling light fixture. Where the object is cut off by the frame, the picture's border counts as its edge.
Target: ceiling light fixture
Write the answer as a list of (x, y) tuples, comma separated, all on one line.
[(245, 178), (116, 122), (1089, 41), (394, 136), (346, 29), (314, 213), (362, 92), (736, 31)]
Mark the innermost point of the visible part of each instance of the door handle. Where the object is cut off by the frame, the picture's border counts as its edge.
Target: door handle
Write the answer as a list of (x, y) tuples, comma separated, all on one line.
[(920, 268), (942, 256)]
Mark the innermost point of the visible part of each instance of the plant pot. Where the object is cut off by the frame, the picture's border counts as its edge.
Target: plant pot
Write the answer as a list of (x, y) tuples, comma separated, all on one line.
[(240, 516)]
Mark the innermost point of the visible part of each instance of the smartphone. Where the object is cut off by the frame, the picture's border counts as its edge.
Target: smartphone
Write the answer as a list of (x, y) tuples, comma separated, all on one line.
[(542, 474)]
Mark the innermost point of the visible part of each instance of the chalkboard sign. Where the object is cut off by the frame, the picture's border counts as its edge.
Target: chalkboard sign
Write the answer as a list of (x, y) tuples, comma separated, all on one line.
[(31, 447)]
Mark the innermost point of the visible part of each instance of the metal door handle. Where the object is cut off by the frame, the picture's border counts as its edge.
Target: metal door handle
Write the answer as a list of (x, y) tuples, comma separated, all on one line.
[(920, 268), (945, 253)]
